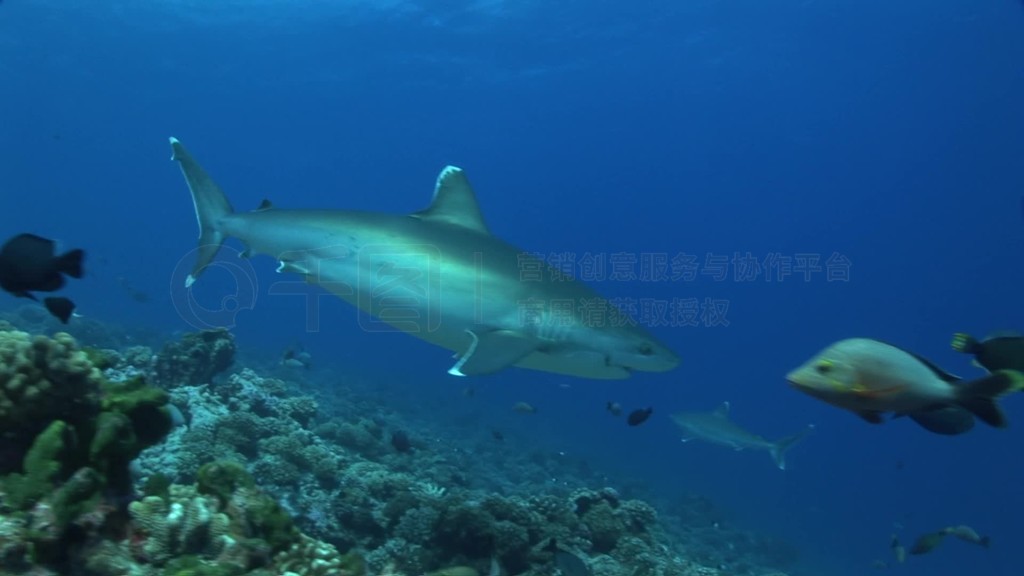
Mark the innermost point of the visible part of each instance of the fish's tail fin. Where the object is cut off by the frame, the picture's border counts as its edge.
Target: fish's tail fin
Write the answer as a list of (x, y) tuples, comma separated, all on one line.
[(965, 343), (70, 263), (779, 448), (211, 207), (981, 396)]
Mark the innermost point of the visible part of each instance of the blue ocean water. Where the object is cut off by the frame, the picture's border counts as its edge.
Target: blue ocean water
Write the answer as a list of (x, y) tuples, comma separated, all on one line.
[(871, 148)]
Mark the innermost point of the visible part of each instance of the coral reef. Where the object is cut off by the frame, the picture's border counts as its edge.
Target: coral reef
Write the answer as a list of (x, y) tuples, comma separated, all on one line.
[(68, 436), (195, 359), (264, 479)]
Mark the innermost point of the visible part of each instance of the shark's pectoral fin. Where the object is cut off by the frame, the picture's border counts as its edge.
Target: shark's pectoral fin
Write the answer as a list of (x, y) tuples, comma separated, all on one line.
[(492, 351)]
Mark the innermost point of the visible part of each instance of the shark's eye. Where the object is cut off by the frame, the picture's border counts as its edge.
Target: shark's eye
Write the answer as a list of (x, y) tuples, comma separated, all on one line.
[(645, 349), (824, 367)]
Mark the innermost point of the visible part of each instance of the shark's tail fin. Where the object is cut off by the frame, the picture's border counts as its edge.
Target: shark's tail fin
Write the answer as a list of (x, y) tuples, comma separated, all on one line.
[(779, 448), (211, 207)]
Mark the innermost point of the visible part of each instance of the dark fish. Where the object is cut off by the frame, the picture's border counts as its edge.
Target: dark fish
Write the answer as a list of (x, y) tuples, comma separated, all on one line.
[(137, 295), (29, 263), (296, 357), (614, 408), (400, 441), (638, 417), (928, 542), (497, 435), (567, 562), (999, 351)]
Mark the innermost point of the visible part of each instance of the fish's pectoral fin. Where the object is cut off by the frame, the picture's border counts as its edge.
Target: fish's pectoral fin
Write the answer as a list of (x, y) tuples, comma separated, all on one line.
[(491, 352), (865, 392), (869, 416)]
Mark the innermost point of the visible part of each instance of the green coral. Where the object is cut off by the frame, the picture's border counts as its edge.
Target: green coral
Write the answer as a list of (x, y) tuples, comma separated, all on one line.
[(42, 467), (73, 434), (42, 380), (144, 405), (99, 358), (222, 479), (196, 566)]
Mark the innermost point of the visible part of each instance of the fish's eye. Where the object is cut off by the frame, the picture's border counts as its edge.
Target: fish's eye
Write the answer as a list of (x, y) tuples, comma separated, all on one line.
[(645, 349), (824, 367)]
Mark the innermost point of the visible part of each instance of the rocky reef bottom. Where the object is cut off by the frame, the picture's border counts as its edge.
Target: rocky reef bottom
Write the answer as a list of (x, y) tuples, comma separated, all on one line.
[(129, 460)]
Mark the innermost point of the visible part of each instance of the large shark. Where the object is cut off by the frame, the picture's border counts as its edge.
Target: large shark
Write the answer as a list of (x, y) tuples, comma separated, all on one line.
[(716, 427), (440, 275)]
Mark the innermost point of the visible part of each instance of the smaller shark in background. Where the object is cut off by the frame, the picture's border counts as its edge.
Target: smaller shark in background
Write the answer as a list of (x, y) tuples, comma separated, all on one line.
[(716, 427)]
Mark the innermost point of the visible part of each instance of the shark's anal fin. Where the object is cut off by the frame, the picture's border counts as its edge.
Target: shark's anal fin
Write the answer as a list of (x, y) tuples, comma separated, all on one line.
[(491, 352)]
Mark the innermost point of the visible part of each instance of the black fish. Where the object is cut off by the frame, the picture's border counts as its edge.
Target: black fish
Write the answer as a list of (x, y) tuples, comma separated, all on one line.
[(638, 417), (28, 263), (400, 441), (497, 435)]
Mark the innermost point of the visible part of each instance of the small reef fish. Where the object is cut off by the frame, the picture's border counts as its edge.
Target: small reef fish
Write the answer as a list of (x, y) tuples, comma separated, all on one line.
[(638, 417), (524, 408), (717, 428), (614, 408), (29, 263), (968, 534), (296, 357), (897, 549), (999, 351), (568, 563), (870, 378), (928, 542)]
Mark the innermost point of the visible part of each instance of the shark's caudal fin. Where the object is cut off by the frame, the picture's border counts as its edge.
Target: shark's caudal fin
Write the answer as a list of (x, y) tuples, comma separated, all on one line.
[(211, 206), (980, 396), (779, 448)]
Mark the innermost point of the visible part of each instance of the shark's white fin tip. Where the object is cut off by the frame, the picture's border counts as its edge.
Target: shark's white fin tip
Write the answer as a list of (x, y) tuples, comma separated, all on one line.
[(454, 201), (190, 281), (454, 371)]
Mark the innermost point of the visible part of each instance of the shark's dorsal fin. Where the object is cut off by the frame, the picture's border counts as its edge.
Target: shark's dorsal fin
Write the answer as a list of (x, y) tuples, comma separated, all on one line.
[(454, 202), (265, 205), (723, 410)]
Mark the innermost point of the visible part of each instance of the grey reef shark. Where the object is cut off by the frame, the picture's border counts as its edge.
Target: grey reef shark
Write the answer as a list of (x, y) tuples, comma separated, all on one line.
[(439, 275)]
